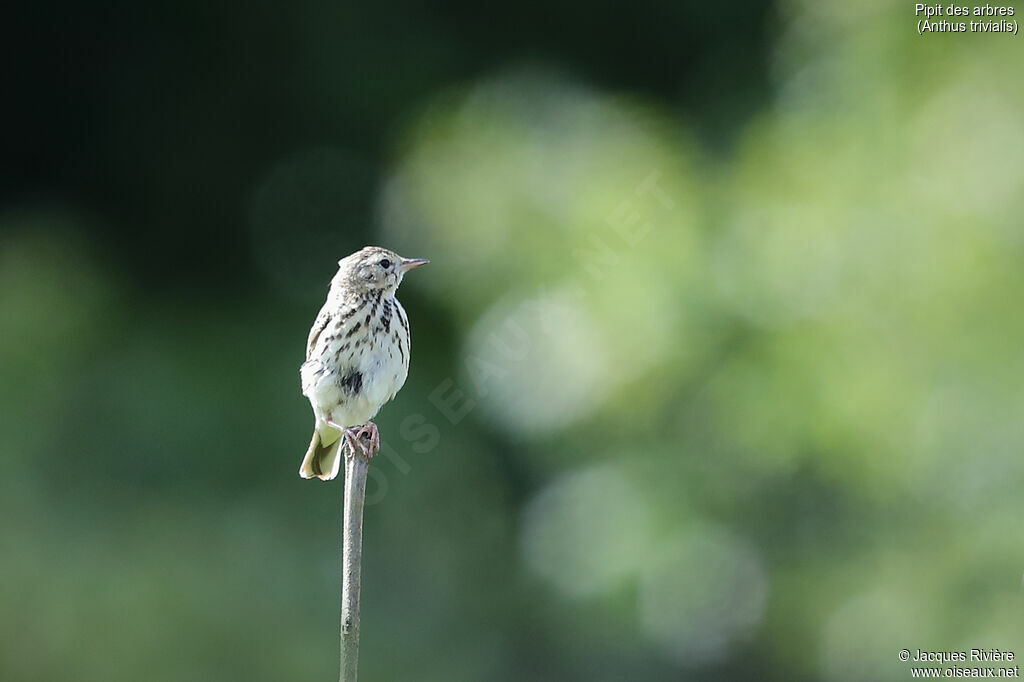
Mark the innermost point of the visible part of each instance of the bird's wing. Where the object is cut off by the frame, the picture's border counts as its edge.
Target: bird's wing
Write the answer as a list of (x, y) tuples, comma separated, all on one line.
[(331, 313), (319, 324)]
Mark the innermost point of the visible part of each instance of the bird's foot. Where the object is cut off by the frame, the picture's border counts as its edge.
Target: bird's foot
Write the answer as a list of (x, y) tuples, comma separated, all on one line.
[(372, 445), (366, 438), (371, 430)]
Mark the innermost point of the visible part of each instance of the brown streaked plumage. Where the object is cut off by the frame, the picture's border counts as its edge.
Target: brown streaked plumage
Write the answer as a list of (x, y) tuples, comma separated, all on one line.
[(357, 356)]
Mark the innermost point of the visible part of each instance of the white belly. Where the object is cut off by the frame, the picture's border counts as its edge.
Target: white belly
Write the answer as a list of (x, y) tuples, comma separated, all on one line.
[(382, 363)]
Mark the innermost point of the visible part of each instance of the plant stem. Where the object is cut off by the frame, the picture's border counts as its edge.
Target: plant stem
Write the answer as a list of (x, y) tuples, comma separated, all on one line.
[(356, 466)]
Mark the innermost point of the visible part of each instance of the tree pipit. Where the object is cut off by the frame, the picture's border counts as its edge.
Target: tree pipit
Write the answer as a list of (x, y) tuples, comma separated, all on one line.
[(357, 357)]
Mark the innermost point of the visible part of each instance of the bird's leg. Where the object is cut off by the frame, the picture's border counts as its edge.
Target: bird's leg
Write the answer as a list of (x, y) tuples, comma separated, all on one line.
[(371, 446), (370, 429), (352, 436)]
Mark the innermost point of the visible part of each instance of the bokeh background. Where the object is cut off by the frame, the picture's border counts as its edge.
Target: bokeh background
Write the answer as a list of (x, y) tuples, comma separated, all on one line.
[(717, 367)]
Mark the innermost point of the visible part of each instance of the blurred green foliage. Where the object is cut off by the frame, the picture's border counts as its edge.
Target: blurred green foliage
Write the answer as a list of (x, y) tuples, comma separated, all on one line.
[(677, 409)]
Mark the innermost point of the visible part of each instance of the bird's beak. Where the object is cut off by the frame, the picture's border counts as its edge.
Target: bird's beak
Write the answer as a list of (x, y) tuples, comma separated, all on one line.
[(410, 263)]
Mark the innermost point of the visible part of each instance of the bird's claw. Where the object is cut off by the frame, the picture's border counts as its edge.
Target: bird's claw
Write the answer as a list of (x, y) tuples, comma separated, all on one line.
[(370, 429), (372, 444), (354, 437)]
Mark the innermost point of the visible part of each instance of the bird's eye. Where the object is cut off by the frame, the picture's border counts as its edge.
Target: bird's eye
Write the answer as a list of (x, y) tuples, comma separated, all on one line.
[(385, 264)]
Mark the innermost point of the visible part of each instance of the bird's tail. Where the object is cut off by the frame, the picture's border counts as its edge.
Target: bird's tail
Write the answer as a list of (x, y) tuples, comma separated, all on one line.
[(323, 458)]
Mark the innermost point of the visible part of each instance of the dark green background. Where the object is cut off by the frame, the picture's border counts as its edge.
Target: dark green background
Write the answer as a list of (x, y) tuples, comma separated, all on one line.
[(763, 423)]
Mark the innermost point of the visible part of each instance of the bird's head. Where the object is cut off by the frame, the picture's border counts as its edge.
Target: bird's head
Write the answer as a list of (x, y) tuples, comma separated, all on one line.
[(374, 268)]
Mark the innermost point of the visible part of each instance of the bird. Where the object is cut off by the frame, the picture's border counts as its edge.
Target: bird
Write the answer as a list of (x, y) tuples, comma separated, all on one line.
[(357, 357)]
